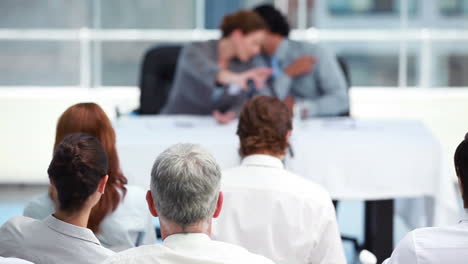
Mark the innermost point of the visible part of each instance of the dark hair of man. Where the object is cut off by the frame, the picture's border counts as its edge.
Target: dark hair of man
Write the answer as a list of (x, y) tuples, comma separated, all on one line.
[(78, 165), (461, 166), (244, 20), (277, 22), (263, 125)]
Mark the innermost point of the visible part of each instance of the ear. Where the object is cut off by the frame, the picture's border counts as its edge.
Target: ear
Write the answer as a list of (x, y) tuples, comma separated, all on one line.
[(150, 202), (219, 205), (52, 191), (102, 184)]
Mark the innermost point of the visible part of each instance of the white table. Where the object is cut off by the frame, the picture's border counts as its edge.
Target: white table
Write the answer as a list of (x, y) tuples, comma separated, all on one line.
[(353, 159)]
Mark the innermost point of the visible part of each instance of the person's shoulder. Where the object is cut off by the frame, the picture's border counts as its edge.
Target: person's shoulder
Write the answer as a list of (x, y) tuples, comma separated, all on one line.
[(441, 237), (17, 222), (39, 207), (141, 254), (286, 182), (432, 237), (14, 230), (238, 254), (207, 45), (310, 48), (299, 43)]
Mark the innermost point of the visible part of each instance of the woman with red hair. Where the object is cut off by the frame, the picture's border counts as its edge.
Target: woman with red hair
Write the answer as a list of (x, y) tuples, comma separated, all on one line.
[(121, 219)]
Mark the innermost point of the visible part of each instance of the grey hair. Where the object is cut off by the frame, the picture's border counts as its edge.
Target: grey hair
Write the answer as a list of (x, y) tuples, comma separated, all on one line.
[(185, 182)]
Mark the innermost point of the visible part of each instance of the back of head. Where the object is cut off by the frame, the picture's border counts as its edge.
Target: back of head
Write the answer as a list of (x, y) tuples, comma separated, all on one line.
[(461, 166), (78, 165), (91, 119), (263, 126), (276, 22), (185, 182), (244, 20), (86, 118)]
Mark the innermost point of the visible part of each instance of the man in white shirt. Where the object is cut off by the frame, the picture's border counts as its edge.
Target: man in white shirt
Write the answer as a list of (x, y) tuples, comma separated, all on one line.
[(439, 245), (185, 183), (269, 210), (78, 174)]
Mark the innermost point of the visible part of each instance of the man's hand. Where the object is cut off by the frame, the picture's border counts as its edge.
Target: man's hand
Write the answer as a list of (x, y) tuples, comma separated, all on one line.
[(224, 118), (300, 66), (258, 75)]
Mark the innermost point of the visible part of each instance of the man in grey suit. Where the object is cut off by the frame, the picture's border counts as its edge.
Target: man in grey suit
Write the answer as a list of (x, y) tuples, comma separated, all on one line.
[(212, 76), (304, 73)]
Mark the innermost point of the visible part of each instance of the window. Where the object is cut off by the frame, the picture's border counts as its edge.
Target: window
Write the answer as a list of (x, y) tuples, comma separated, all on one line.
[(102, 42)]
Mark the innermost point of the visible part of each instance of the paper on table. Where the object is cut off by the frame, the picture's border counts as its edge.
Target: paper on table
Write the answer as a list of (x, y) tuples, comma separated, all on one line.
[(349, 123)]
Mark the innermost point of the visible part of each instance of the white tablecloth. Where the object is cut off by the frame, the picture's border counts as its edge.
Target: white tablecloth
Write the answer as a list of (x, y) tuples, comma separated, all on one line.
[(353, 159)]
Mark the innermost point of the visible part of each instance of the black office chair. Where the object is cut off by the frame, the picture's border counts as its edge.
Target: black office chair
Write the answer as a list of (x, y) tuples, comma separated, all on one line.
[(157, 74), (344, 67)]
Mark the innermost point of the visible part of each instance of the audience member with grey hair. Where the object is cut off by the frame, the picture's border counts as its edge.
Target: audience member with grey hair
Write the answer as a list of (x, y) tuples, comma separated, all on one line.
[(185, 195)]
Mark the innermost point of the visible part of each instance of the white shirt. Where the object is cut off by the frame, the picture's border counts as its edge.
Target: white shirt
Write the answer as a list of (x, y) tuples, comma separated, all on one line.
[(121, 229), (434, 245), (50, 241), (13, 261), (193, 248), (278, 214)]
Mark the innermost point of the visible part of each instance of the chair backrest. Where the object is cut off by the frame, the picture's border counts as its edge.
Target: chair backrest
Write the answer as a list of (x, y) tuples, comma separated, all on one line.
[(157, 74), (344, 67)]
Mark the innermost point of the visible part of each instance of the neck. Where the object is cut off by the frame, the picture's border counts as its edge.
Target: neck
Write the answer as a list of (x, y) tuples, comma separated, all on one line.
[(226, 52), (170, 228), (78, 218), (275, 41)]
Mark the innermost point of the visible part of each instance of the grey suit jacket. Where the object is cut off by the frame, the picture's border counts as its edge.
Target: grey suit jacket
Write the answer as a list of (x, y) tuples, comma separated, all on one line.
[(195, 90), (324, 90)]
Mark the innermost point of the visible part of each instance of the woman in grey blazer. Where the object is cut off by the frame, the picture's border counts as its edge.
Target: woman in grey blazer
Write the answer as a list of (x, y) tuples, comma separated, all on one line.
[(212, 76), (121, 219)]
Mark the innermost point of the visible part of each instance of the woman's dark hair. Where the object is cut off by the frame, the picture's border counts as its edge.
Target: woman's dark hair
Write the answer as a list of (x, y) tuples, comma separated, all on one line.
[(78, 165), (91, 119), (263, 125), (276, 22), (461, 166), (244, 20)]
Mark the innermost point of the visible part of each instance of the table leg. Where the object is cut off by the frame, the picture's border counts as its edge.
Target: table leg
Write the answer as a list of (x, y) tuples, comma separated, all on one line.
[(379, 228)]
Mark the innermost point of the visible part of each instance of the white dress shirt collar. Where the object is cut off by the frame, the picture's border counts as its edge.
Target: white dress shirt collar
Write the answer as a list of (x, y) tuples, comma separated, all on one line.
[(262, 160), (71, 230), (176, 240)]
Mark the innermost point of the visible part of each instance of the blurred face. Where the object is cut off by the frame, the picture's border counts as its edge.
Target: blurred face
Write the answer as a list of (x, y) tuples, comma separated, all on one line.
[(248, 45), (269, 45)]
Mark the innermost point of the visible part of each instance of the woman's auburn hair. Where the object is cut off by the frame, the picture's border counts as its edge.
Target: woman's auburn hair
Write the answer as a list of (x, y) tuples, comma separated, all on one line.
[(246, 21), (91, 119)]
